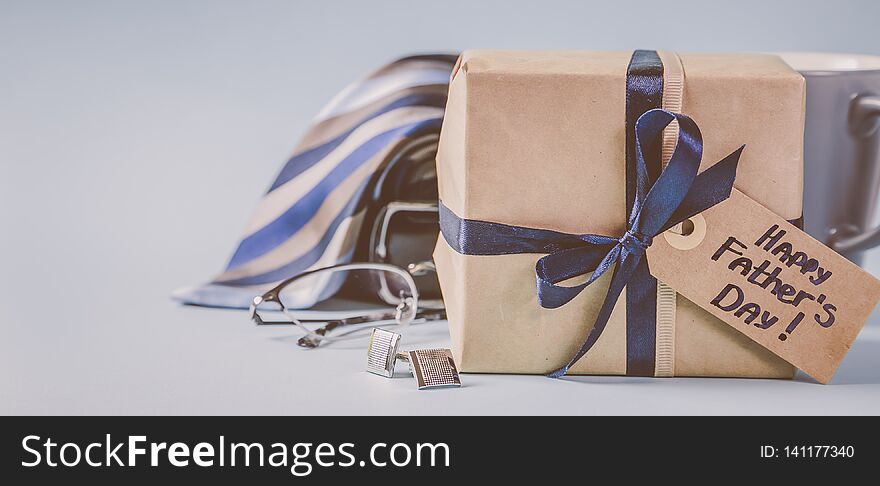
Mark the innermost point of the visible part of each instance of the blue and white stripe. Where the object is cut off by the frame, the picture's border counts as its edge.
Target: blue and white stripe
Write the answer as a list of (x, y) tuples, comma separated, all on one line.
[(312, 213)]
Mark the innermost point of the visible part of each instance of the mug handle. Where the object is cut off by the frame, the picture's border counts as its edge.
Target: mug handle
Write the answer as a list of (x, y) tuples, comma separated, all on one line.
[(864, 120)]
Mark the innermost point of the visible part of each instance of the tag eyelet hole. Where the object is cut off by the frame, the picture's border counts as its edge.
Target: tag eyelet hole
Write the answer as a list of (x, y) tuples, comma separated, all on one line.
[(688, 234), (687, 227)]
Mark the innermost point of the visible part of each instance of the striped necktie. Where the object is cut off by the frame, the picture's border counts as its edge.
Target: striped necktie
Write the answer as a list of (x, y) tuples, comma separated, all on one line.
[(311, 216)]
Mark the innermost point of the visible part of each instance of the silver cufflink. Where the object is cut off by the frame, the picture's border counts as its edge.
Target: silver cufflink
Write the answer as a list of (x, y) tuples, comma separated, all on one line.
[(382, 352), (432, 368)]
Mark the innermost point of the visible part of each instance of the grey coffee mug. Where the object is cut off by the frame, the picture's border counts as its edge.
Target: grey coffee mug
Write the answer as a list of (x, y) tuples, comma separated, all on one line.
[(841, 154)]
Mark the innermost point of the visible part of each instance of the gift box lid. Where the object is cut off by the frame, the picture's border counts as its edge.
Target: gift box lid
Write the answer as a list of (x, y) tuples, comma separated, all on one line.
[(537, 138)]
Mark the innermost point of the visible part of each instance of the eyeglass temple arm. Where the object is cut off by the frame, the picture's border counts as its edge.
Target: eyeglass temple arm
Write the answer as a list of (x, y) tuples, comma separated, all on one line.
[(261, 322), (432, 314), (330, 323), (311, 342), (308, 342)]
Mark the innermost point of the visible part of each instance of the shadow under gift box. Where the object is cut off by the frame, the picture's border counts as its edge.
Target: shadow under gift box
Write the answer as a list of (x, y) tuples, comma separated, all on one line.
[(537, 139)]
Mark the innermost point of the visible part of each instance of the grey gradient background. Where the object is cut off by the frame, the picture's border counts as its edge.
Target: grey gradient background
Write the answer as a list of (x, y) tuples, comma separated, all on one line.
[(136, 138)]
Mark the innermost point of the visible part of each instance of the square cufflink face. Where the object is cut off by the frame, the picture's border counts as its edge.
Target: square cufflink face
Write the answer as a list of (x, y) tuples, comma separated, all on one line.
[(382, 352), (433, 368)]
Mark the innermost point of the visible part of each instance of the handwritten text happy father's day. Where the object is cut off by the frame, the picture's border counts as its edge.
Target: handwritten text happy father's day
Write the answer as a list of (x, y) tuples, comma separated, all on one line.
[(766, 275)]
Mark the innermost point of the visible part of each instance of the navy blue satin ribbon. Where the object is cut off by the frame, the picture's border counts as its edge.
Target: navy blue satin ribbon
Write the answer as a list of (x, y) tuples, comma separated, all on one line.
[(644, 92), (677, 194)]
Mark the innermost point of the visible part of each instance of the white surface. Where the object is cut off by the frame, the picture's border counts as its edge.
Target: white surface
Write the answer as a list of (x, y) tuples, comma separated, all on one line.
[(136, 138), (196, 361)]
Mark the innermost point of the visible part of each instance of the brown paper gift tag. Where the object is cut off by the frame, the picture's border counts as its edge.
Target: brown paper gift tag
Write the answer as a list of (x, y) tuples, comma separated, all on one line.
[(769, 280)]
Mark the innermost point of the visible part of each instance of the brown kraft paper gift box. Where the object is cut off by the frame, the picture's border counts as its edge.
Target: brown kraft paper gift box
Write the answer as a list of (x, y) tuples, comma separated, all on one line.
[(537, 139)]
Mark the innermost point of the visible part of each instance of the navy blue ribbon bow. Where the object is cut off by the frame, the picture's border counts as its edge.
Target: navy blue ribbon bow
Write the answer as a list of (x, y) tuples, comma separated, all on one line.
[(677, 194)]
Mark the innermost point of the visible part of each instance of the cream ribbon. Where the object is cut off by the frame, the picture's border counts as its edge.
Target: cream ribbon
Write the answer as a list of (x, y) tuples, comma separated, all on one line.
[(673, 92)]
